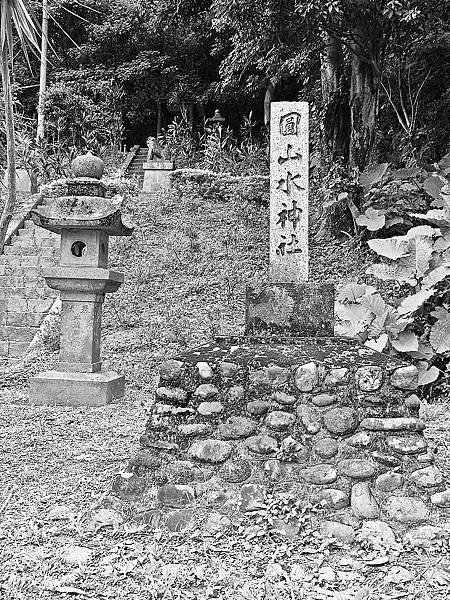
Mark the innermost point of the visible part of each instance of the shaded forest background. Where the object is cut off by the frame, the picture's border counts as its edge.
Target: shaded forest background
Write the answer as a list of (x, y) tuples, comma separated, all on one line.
[(375, 72)]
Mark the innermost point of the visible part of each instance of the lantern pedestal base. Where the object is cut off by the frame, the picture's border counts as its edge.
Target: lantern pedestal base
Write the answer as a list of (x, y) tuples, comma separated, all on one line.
[(76, 389)]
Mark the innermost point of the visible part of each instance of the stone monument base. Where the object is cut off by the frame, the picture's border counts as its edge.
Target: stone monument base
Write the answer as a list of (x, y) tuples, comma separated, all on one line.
[(156, 175), (329, 420), (76, 389)]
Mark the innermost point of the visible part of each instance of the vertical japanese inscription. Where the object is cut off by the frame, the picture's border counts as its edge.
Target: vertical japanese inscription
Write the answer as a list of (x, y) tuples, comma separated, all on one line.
[(289, 159)]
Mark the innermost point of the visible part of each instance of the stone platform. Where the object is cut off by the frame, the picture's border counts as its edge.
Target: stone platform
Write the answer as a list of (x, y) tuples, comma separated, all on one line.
[(332, 422)]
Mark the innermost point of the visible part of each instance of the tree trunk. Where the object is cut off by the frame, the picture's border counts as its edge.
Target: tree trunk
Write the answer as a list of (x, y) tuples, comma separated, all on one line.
[(364, 88), (10, 149), (43, 73), (336, 121), (268, 98)]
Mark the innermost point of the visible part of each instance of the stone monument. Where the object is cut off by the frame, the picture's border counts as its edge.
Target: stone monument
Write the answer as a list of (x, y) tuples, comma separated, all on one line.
[(288, 406), (85, 219), (156, 169)]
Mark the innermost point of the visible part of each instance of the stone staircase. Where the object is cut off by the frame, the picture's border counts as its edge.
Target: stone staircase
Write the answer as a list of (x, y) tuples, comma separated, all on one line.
[(135, 169), (25, 298)]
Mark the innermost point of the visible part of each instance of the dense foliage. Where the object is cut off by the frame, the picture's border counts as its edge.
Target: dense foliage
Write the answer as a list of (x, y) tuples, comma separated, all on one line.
[(374, 71)]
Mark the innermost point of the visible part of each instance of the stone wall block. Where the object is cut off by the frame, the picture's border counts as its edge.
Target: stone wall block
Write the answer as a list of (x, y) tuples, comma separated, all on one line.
[(279, 420), (363, 504), (405, 378), (171, 370), (205, 371), (236, 428), (307, 377), (341, 421), (369, 378), (172, 395), (205, 391), (393, 424), (310, 418), (337, 376), (210, 450), (321, 474)]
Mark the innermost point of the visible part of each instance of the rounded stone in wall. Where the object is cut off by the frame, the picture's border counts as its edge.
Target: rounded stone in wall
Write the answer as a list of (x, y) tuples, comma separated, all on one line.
[(408, 444), (307, 377), (362, 439), (235, 471), (294, 449), (204, 370), (441, 499), (280, 420), (210, 450), (206, 409), (195, 429), (336, 376), (405, 378), (407, 510), (171, 369), (321, 474), (326, 448), (334, 499), (341, 421), (323, 399), (356, 468), (235, 428), (283, 398), (206, 391), (388, 482), (427, 477), (184, 471), (228, 369), (364, 505), (369, 378), (310, 418), (172, 394), (262, 444), (386, 459), (258, 407)]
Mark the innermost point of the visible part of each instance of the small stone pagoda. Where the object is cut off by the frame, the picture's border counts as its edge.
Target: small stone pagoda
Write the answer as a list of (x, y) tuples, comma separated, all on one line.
[(288, 406), (85, 219)]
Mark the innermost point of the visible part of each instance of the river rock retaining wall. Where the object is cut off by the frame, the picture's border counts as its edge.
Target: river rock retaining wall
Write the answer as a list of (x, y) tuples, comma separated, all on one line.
[(334, 423)]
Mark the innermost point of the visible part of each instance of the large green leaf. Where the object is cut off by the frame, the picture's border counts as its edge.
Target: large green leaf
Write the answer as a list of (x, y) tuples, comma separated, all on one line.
[(433, 184), (435, 276), (438, 216), (406, 341), (353, 291), (374, 303), (393, 248), (440, 332), (406, 173), (378, 344), (414, 302), (372, 174), (427, 375), (393, 272), (372, 219), (422, 231)]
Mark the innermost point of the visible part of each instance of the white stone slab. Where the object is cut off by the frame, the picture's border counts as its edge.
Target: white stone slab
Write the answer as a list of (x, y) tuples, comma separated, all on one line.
[(289, 186)]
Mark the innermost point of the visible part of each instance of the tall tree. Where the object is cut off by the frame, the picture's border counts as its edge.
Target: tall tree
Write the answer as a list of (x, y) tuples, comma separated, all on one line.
[(14, 17)]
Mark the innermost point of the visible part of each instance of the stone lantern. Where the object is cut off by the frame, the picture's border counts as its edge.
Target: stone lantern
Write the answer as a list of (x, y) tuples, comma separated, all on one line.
[(85, 219)]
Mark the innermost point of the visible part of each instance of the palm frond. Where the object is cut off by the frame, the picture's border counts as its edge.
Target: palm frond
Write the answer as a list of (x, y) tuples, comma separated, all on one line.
[(18, 15)]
